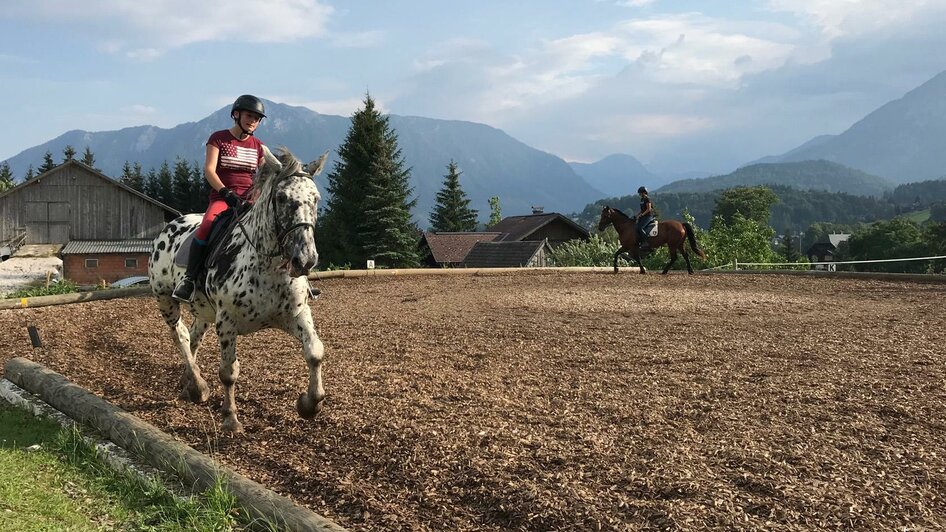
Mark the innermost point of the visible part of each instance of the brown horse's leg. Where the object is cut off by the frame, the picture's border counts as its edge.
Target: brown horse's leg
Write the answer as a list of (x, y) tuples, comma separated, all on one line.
[(194, 387), (686, 257), (616, 255), (673, 258), (637, 258), (229, 373), (309, 403)]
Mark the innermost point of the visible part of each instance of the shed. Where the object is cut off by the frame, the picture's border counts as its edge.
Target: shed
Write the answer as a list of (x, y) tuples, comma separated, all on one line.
[(76, 202), (447, 249), (527, 254), (552, 227), (94, 261), (821, 252)]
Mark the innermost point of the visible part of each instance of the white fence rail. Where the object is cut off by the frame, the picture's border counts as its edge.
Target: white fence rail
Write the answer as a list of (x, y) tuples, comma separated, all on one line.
[(830, 265)]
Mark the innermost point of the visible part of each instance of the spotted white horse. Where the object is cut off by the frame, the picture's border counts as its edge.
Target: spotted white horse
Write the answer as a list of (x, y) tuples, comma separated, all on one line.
[(258, 281)]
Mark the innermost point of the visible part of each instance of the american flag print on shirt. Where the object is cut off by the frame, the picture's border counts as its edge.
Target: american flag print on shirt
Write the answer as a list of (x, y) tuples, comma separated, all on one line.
[(238, 157)]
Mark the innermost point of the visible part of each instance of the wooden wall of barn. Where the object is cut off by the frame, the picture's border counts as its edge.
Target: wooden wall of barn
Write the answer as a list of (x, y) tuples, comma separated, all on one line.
[(72, 203)]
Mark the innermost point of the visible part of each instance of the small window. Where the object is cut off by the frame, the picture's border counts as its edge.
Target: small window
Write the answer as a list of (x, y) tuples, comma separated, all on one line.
[(131, 263), (91, 263)]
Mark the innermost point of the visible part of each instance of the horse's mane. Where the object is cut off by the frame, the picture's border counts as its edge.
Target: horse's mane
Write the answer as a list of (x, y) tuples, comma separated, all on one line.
[(268, 176), (619, 211)]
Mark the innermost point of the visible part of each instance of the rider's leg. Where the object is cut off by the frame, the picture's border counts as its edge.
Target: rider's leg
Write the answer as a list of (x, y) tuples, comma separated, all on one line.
[(184, 291)]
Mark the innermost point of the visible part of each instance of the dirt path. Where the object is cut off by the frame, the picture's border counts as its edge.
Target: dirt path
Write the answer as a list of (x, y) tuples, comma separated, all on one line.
[(565, 401)]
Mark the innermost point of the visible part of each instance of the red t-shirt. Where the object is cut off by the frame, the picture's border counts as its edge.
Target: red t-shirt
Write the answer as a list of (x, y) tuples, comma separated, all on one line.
[(238, 159)]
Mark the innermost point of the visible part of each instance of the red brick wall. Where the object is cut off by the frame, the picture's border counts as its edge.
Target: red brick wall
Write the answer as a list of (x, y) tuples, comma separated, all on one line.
[(111, 267)]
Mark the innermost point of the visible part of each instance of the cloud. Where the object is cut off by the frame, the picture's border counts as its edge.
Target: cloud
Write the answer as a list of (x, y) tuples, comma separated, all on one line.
[(144, 30)]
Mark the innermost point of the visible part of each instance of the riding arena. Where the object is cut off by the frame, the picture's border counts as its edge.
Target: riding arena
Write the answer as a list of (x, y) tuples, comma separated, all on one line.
[(561, 401)]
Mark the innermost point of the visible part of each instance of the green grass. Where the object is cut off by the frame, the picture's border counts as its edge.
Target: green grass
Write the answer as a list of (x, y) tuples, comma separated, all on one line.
[(62, 286), (64, 485), (918, 217)]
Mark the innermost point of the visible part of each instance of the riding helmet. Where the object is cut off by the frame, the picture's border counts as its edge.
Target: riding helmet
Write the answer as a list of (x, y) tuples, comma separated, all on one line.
[(248, 102), (642, 190)]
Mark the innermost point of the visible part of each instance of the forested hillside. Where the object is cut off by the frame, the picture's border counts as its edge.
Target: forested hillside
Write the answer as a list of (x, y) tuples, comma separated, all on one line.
[(795, 210), (806, 175)]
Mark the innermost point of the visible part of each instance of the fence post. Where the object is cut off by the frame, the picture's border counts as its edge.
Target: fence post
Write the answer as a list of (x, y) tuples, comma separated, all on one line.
[(735, 264)]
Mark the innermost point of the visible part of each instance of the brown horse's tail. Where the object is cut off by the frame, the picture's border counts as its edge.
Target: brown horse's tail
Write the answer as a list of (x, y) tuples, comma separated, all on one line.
[(692, 237)]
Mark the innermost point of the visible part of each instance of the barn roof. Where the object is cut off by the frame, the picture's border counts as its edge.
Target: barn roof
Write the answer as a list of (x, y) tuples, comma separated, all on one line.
[(503, 254), (520, 227), (447, 247), (86, 247), (36, 179)]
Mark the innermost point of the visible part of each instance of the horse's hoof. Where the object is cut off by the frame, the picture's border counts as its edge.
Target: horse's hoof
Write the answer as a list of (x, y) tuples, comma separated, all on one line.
[(232, 426), (306, 407)]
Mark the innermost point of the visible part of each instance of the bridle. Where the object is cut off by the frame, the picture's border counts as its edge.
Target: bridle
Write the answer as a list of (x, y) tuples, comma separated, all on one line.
[(281, 234)]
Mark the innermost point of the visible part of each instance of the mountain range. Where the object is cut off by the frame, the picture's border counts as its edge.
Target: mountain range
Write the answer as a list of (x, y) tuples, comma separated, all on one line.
[(492, 162), (902, 141)]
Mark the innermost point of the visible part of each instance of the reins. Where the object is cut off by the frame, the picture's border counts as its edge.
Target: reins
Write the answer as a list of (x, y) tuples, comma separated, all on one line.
[(282, 235)]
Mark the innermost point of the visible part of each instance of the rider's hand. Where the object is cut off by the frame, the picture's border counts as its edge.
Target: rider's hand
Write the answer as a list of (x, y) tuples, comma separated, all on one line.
[(233, 200)]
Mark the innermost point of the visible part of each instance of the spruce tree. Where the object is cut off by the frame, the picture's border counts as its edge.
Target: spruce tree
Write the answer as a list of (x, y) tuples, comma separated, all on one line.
[(68, 153), (6, 177), (29, 173), (151, 188), (368, 215), (452, 212), (48, 163), (137, 178), (88, 158), (182, 190), (165, 184)]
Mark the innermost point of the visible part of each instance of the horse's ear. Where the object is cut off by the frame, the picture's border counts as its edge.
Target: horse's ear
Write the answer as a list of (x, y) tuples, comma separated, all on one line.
[(315, 167), (271, 166)]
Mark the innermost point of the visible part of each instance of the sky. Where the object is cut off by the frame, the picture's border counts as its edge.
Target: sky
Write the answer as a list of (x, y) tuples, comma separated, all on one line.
[(682, 85)]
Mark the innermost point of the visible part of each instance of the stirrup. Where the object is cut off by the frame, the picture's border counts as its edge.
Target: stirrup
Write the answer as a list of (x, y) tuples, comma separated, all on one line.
[(184, 291), (314, 292)]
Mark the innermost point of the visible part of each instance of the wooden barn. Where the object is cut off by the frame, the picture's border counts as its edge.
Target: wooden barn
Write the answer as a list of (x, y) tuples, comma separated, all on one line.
[(75, 202), (105, 226)]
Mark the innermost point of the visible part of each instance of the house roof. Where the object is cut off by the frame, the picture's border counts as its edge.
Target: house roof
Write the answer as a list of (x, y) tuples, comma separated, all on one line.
[(85, 247), (503, 254), (821, 248), (449, 247), (36, 179), (520, 227)]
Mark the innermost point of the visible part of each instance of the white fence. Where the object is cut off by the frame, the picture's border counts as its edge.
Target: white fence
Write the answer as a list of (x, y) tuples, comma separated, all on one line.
[(829, 265)]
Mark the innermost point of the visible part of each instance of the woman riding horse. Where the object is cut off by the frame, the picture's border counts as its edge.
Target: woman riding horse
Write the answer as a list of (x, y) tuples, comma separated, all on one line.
[(670, 233)]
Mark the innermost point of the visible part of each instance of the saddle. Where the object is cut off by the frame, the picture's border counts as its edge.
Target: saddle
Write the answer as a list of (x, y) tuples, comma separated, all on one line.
[(651, 228), (220, 231)]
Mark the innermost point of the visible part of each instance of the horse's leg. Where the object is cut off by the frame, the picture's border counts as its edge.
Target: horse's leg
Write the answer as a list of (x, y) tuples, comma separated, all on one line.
[(686, 257), (229, 373), (637, 258), (673, 258), (308, 404), (616, 255), (198, 328), (194, 387)]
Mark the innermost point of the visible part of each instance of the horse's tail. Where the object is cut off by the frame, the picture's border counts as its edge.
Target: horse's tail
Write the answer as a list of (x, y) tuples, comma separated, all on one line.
[(692, 237)]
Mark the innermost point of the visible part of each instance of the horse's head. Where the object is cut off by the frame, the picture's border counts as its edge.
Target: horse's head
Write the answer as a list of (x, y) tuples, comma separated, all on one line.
[(288, 191), (605, 219)]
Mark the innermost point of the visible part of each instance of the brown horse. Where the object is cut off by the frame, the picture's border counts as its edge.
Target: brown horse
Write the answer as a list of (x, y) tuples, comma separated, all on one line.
[(670, 233)]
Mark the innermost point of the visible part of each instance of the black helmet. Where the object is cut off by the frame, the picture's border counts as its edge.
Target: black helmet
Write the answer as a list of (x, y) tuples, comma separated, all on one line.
[(642, 190), (248, 102)]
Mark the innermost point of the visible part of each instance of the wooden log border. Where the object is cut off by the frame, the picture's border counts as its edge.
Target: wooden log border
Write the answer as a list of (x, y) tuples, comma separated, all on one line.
[(159, 449)]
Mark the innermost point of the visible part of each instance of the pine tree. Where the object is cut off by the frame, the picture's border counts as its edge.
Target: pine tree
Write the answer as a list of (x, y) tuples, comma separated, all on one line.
[(137, 178), (6, 177), (495, 211), (182, 193), (29, 173), (68, 153), (48, 163), (368, 215), (151, 188), (88, 158), (790, 247), (200, 188), (165, 184), (452, 212)]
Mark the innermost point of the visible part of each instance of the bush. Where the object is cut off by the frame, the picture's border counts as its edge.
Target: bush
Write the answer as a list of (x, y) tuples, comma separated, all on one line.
[(59, 286)]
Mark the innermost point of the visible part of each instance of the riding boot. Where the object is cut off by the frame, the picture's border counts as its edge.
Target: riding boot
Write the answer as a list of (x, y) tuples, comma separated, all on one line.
[(184, 291)]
